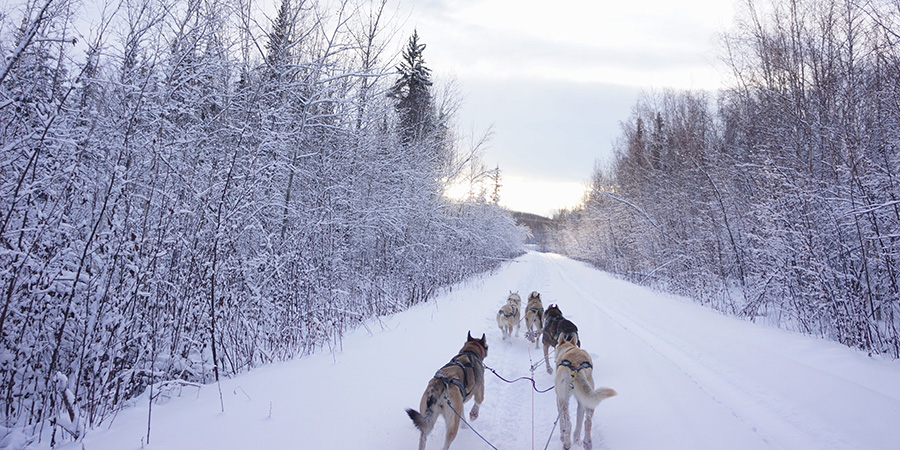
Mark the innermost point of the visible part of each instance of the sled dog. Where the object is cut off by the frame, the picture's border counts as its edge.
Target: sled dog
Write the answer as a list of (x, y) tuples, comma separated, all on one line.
[(452, 385), (509, 315), (574, 375), (534, 317), (555, 325)]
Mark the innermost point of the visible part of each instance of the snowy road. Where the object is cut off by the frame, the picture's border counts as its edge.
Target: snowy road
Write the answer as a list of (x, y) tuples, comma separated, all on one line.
[(687, 378)]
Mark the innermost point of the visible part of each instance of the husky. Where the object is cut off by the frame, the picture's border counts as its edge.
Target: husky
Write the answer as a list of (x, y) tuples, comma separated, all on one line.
[(574, 375), (555, 325), (534, 317), (452, 386), (509, 315)]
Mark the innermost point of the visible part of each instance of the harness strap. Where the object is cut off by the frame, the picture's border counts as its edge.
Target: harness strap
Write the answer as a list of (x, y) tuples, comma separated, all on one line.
[(567, 363), (515, 309), (454, 362), (464, 366), (447, 380), (471, 354)]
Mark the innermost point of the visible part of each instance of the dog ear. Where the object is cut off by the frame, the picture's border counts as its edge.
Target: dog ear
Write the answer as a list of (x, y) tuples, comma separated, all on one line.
[(469, 338)]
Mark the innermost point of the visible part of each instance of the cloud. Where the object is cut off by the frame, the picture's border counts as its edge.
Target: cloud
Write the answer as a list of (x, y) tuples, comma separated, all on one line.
[(547, 128), (636, 43)]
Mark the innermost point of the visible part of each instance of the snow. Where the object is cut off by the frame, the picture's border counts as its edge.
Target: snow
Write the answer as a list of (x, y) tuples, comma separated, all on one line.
[(687, 378)]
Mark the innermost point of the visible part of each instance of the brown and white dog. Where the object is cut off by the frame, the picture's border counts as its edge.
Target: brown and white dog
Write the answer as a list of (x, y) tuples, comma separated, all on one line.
[(509, 315), (555, 325), (534, 317), (574, 375), (452, 386)]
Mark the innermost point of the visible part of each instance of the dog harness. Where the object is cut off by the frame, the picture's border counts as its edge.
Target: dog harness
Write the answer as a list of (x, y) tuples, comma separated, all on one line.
[(462, 365), (515, 311), (567, 363), (575, 370)]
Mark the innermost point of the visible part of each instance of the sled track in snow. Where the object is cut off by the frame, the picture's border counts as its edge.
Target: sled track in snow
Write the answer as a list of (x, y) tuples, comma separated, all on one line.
[(774, 421)]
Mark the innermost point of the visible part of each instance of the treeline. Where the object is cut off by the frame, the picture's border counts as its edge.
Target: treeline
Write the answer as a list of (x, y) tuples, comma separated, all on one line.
[(205, 190), (778, 199)]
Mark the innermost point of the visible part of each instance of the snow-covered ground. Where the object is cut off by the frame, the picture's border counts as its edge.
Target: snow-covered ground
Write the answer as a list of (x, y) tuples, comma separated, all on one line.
[(687, 378)]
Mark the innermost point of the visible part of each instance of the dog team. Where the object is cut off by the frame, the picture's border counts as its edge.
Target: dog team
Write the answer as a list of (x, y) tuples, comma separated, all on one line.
[(463, 377)]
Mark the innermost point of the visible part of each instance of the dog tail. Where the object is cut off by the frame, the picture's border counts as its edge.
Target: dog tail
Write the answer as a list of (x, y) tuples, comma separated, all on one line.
[(424, 421), (591, 398), (420, 421), (601, 394)]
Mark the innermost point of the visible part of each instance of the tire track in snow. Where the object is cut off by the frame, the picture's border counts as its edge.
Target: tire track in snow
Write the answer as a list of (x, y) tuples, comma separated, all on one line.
[(773, 420)]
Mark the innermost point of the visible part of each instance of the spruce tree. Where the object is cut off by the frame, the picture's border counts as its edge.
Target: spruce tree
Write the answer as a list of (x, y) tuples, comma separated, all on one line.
[(277, 49), (414, 103)]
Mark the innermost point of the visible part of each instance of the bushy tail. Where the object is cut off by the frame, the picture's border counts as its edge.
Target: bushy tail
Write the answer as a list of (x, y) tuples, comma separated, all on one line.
[(421, 422), (592, 398), (425, 421), (601, 394)]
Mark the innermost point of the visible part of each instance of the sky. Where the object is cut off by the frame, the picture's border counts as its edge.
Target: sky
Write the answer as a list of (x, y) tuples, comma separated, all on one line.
[(553, 83)]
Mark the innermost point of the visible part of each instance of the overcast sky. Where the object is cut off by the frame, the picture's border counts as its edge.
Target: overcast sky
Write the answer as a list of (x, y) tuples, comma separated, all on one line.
[(554, 79)]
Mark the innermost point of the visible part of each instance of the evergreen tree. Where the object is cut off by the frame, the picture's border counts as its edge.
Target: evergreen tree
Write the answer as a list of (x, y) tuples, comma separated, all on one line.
[(277, 49), (495, 177), (414, 102)]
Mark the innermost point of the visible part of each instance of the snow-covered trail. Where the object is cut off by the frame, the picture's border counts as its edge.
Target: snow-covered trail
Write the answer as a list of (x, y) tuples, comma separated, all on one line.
[(687, 378)]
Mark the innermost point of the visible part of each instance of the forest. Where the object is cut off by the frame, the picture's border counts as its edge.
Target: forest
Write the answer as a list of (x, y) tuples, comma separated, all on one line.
[(775, 199), (189, 189)]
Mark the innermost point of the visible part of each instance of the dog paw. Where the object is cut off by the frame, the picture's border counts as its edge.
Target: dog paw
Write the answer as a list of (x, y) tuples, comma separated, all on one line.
[(587, 444), (550, 371), (473, 415)]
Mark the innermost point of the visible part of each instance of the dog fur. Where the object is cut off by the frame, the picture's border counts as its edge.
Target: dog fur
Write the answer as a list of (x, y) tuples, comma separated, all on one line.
[(509, 315), (574, 375), (466, 369), (555, 325), (534, 316)]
